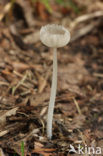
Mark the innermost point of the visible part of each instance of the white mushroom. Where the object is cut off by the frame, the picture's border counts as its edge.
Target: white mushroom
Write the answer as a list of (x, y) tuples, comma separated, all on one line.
[(54, 36)]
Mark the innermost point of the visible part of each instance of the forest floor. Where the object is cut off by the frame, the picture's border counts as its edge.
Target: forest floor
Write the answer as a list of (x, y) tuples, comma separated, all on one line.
[(25, 80)]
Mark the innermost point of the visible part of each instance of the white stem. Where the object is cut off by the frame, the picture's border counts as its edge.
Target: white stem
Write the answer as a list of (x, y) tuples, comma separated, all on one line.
[(52, 96)]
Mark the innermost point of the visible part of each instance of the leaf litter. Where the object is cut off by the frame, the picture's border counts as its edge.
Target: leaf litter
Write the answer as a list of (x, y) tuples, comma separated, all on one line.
[(25, 80)]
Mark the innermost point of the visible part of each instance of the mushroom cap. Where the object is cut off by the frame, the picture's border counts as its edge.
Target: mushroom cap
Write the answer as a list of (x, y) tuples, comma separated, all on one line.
[(54, 35)]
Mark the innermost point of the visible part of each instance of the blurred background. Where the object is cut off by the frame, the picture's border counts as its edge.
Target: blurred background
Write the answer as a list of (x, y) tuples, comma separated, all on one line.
[(26, 72)]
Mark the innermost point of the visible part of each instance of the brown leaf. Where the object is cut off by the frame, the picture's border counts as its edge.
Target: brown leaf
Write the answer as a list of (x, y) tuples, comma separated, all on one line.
[(65, 10), (19, 66), (7, 113), (41, 10), (41, 82), (40, 98), (70, 76), (40, 150)]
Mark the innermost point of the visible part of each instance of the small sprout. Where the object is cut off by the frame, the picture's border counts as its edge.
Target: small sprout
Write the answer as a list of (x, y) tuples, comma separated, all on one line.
[(54, 36)]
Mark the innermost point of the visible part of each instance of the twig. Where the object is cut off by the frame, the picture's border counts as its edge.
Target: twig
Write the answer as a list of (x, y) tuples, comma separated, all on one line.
[(5, 11), (98, 75), (85, 18), (84, 30), (77, 106)]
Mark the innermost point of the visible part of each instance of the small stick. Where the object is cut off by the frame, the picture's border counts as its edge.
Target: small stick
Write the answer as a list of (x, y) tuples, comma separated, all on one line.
[(77, 106)]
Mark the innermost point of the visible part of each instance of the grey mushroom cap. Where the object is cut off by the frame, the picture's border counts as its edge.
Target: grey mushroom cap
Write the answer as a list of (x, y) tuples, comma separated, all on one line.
[(54, 35)]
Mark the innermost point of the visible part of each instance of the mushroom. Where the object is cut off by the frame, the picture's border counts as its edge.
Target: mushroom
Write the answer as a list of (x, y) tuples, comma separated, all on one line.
[(54, 36)]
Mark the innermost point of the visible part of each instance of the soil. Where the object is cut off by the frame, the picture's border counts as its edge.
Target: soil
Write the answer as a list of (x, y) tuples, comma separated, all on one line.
[(25, 81)]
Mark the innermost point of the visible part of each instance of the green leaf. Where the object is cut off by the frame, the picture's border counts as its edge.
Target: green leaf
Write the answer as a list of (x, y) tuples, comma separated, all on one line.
[(74, 6), (47, 5), (68, 3), (60, 2), (22, 148)]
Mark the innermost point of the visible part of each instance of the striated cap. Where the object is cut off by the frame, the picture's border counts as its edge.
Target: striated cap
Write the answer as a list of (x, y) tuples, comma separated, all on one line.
[(54, 35)]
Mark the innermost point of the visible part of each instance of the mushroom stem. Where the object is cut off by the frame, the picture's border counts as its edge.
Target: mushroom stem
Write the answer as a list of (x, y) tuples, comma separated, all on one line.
[(52, 96)]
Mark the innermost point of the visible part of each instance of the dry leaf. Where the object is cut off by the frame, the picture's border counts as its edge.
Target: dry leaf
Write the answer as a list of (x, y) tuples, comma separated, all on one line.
[(7, 113), (40, 150)]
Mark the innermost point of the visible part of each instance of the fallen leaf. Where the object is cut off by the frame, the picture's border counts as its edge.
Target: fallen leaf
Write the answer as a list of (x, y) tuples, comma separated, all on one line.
[(41, 10), (39, 149), (19, 66), (7, 113), (41, 82)]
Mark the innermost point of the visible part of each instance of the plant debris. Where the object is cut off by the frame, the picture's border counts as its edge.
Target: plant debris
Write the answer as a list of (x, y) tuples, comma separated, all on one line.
[(25, 78)]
